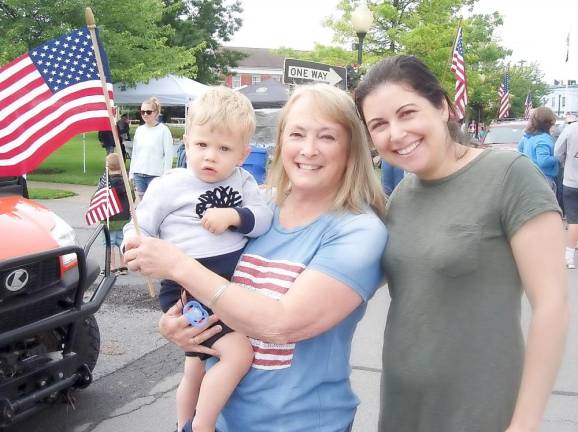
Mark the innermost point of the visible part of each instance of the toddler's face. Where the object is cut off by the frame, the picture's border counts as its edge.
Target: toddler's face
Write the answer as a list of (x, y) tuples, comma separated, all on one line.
[(213, 154)]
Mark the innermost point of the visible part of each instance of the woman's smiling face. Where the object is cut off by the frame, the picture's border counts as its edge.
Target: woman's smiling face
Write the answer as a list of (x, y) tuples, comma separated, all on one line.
[(314, 149), (407, 129)]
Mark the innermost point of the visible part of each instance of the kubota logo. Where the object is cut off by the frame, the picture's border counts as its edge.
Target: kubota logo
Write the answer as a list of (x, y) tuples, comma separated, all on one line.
[(16, 280)]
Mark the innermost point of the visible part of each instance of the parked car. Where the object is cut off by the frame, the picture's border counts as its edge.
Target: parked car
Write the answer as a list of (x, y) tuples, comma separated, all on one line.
[(505, 134), (49, 338)]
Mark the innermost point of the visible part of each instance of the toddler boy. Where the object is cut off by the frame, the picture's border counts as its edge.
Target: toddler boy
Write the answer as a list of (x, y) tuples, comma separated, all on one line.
[(208, 210)]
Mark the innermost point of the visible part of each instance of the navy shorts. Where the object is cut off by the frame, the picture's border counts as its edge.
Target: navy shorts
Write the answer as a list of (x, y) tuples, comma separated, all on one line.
[(170, 292), (570, 197)]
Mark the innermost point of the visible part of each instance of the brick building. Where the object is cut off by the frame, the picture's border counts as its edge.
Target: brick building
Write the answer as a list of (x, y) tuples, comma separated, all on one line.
[(260, 64)]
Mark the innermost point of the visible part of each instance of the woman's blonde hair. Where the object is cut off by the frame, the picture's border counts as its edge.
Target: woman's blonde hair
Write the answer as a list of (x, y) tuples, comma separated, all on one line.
[(155, 103), (359, 185)]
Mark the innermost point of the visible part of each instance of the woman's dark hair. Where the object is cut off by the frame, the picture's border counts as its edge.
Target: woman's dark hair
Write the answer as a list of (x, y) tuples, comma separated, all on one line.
[(541, 120), (412, 71)]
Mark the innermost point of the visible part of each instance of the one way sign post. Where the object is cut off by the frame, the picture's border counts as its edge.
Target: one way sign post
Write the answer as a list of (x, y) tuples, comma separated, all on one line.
[(301, 72)]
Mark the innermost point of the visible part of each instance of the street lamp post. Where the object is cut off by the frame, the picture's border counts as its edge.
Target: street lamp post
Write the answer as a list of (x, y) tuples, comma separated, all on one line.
[(361, 19)]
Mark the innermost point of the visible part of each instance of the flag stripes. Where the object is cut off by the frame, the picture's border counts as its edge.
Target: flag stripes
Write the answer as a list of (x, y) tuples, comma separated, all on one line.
[(272, 278), (104, 204), (47, 96), (528, 106), (504, 97), (459, 69)]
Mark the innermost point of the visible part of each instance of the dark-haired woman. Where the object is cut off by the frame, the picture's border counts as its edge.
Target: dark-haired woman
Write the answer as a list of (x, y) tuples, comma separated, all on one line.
[(470, 230), (538, 144)]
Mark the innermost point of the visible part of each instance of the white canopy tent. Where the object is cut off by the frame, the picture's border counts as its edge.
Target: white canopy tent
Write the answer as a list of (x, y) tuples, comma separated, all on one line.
[(171, 90)]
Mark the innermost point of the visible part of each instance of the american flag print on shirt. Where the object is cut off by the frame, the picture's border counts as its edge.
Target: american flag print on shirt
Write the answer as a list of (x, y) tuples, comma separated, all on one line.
[(47, 96), (271, 278)]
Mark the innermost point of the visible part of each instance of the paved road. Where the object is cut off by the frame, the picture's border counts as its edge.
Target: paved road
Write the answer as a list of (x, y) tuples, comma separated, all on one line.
[(138, 371)]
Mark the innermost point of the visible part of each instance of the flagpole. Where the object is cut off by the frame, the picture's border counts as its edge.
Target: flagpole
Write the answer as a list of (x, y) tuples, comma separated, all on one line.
[(91, 24), (83, 153), (452, 51)]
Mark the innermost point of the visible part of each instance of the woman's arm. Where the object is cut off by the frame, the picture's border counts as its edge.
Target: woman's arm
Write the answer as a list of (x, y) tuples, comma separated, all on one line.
[(315, 303), (545, 153), (167, 149), (538, 248)]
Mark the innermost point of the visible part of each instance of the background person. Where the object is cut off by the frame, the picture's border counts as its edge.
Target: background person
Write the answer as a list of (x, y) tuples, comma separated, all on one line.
[(566, 150), (119, 220), (208, 210), (300, 289), (469, 229), (390, 177), (106, 140), (152, 148), (538, 144)]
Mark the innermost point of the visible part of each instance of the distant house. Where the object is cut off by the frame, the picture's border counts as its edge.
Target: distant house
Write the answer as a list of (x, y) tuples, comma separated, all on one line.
[(260, 64), (562, 99)]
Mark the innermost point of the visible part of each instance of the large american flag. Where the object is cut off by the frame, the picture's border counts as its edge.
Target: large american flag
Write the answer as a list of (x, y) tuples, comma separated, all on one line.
[(459, 69), (528, 106), (504, 96), (47, 96)]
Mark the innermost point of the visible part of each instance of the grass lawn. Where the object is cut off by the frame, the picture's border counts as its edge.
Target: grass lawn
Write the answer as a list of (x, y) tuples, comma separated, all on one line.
[(65, 164), (45, 193)]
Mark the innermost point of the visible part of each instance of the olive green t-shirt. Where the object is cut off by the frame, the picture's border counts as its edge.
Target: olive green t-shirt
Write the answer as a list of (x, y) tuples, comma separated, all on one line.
[(453, 348)]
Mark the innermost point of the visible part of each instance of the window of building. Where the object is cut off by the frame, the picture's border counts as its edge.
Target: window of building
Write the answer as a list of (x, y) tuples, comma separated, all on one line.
[(236, 81), (255, 79), (553, 101), (277, 78)]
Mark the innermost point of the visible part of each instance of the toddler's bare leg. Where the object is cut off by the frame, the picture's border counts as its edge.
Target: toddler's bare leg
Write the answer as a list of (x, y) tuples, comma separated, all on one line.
[(188, 390), (221, 379)]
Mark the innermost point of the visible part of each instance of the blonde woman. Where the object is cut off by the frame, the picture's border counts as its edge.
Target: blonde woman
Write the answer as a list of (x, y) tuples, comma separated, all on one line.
[(300, 289), (152, 150)]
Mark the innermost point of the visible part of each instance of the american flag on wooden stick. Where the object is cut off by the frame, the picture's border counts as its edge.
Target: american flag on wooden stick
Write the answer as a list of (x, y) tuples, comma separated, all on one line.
[(459, 69), (47, 96), (528, 106), (504, 95), (103, 204)]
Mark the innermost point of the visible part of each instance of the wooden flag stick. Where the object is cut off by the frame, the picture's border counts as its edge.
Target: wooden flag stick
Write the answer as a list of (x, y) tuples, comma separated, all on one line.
[(92, 27)]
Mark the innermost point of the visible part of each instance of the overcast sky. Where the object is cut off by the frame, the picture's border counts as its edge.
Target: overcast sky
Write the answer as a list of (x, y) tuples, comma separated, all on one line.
[(535, 30)]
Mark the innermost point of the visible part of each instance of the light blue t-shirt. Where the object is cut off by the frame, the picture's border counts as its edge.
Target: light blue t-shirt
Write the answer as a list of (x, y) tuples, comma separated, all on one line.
[(305, 386)]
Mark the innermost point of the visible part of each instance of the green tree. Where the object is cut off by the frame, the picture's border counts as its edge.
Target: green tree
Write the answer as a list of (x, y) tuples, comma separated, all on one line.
[(427, 29), (134, 38), (205, 24)]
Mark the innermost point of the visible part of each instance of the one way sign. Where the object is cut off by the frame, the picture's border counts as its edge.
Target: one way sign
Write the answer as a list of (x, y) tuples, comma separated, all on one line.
[(301, 71)]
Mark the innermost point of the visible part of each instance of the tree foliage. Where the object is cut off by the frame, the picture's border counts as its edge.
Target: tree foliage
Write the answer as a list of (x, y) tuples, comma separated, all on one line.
[(206, 24), (427, 29), (133, 35)]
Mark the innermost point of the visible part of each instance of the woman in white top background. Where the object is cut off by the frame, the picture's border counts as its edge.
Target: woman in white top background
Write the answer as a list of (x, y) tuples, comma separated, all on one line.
[(152, 151)]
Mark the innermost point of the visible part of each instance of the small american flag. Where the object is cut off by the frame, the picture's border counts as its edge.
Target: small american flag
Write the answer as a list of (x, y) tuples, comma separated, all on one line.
[(528, 106), (504, 95), (459, 69), (103, 204), (47, 96)]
